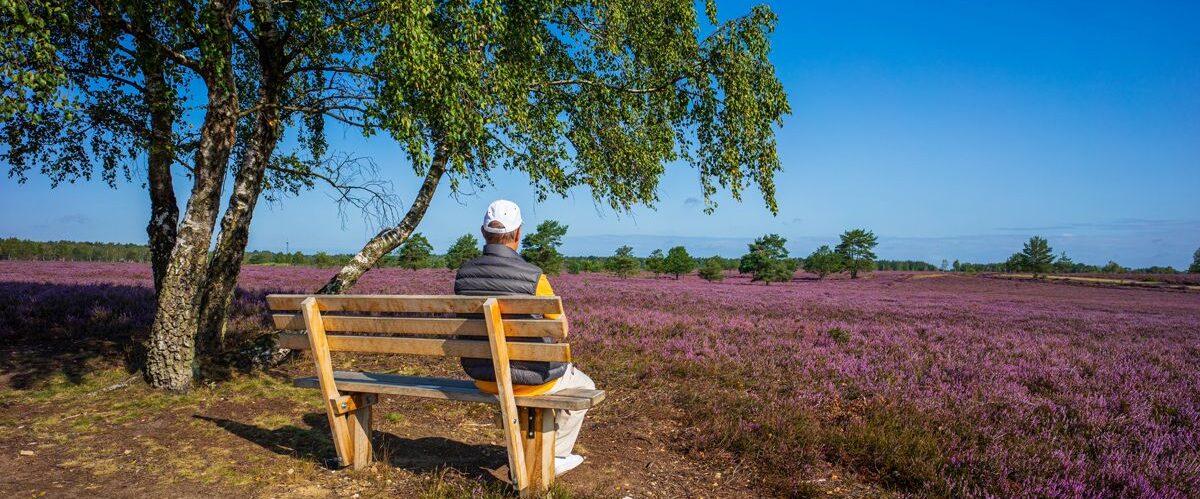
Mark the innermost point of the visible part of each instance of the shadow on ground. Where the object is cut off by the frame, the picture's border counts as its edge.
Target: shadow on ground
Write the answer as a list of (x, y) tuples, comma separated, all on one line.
[(419, 455), (71, 330), (51, 329)]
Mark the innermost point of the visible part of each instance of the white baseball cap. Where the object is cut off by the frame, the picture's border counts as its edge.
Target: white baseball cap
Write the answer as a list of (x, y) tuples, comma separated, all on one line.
[(504, 211)]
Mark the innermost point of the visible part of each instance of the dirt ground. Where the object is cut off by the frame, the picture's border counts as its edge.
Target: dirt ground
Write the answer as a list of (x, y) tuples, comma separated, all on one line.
[(96, 430)]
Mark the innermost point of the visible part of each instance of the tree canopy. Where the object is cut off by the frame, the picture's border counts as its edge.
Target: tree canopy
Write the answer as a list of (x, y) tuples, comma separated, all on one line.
[(622, 264), (463, 249), (1195, 267), (856, 251), (415, 252), (767, 260), (1037, 256), (678, 262), (1063, 264), (1114, 268), (600, 94), (823, 261), (654, 262), (712, 270), (541, 247)]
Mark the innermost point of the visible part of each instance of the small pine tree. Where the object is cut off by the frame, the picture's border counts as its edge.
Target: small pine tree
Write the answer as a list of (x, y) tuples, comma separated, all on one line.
[(678, 262), (1064, 264), (768, 260), (465, 248), (1195, 268), (856, 250), (541, 247), (622, 264), (823, 261), (1037, 256), (654, 262), (712, 270), (415, 252)]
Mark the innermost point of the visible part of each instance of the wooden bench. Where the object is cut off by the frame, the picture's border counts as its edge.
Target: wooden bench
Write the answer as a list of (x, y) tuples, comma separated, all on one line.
[(371, 323)]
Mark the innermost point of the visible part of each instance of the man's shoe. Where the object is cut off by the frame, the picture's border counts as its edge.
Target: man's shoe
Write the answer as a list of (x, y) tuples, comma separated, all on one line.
[(565, 464)]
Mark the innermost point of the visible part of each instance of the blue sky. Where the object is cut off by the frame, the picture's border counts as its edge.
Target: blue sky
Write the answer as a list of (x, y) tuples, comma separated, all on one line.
[(952, 130)]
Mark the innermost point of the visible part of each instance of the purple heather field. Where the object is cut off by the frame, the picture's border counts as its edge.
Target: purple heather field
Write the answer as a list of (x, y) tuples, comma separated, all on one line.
[(926, 384)]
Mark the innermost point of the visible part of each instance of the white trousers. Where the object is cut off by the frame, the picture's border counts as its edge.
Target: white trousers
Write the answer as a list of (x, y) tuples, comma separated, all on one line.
[(568, 423)]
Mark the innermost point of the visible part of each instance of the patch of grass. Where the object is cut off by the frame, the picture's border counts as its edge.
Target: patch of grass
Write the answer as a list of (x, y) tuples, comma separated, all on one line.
[(783, 443), (839, 335), (897, 445), (60, 386), (147, 403), (274, 421), (259, 386), (394, 418)]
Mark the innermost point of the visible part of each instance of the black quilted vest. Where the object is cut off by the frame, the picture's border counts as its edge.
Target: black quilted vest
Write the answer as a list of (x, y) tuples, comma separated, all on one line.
[(500, 271)]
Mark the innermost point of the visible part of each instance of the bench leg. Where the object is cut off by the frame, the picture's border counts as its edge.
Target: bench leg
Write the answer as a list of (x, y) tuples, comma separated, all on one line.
[(319, 347), (537, 428), (360, 431)]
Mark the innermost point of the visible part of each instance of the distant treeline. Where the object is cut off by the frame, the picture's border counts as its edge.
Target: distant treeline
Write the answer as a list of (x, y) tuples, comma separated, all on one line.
[(905, 265), (597, 264), (1065, 268), (20, 249), (320, 259)]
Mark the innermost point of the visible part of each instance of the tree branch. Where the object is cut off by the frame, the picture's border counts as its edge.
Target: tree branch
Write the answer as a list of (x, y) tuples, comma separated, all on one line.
[(332, 69), (115, 78), (587, 82), (344, 23), (144, 37), (344, 175)]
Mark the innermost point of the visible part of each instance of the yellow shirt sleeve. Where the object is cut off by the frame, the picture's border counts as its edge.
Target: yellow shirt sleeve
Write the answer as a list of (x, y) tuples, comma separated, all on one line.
[(544, 289)]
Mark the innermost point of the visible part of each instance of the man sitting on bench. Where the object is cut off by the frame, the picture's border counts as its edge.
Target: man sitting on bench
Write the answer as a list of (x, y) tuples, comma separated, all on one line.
[(502, 271)]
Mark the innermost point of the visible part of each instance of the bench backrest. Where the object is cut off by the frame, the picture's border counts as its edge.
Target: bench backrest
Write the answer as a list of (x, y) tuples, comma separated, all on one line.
[(344, 318)]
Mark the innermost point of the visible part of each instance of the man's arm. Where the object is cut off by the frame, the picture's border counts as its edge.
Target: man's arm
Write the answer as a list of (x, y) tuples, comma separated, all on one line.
[(544, 289)]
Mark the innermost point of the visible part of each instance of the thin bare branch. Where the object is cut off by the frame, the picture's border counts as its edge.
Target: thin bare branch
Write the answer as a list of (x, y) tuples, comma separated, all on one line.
[(354, 184)]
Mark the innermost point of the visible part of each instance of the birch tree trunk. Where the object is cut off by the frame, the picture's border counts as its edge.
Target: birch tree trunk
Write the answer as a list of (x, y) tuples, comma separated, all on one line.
[(392, 237), (171, 347), (164, 209), (226, 262)]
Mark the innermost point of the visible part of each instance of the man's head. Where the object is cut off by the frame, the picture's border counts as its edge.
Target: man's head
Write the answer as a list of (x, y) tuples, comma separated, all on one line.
[(502, 223)]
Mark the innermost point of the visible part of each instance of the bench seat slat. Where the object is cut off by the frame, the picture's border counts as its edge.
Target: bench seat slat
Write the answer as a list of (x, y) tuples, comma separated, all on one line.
[(544, 352), (530, 328), (439, 304), (450, 389)]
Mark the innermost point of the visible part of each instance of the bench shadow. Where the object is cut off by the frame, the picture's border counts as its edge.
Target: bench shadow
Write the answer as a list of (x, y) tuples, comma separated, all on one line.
[(419, 455)]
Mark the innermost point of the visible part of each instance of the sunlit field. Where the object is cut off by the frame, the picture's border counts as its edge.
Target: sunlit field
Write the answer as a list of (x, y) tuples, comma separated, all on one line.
[(922, 384)]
